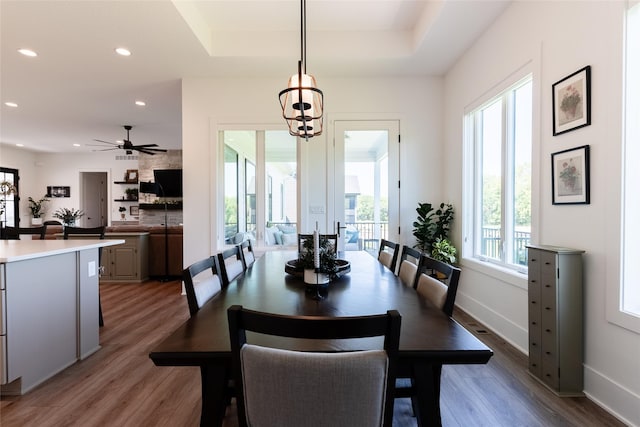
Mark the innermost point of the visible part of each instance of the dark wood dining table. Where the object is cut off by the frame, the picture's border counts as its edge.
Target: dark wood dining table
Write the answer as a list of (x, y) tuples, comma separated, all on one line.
[(428, 340)]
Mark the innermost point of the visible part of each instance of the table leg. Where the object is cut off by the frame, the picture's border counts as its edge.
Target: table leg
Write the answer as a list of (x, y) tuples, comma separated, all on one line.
[(426, 401), (214, 398)]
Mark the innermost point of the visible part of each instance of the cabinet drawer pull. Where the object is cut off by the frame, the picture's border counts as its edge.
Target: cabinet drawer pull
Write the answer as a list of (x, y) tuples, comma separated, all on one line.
[(548, 353), (533, 323), (548, 330), (547, 308)]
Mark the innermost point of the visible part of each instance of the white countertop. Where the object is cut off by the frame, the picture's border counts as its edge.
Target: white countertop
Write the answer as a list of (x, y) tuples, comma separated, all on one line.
[(20, 250)]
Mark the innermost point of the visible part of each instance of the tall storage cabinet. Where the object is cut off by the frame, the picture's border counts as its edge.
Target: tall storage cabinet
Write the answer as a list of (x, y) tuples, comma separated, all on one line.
[(556, 318)]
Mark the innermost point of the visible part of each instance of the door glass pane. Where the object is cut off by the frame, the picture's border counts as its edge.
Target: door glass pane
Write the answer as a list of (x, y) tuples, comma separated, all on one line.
[(491, 199), (281, 178), (522, 174), (366, 180), (230, 192), (8, 198), (250, 192)]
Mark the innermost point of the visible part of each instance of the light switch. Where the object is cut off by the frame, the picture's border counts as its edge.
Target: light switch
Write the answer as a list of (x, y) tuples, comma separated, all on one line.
[(91, 269)]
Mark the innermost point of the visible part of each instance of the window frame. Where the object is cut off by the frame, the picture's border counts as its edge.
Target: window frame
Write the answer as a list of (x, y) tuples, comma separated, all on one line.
[(472, 180)]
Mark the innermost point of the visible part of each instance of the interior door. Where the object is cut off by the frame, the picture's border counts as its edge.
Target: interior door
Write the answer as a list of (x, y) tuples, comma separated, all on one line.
[(94, 195), (365, 183)]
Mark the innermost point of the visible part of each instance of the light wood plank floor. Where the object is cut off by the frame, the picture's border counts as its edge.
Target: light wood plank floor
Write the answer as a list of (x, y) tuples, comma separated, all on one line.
[(120, 386)]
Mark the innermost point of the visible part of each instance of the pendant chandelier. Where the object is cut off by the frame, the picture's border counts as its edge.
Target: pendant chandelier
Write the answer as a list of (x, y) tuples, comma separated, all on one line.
[(302, 102)]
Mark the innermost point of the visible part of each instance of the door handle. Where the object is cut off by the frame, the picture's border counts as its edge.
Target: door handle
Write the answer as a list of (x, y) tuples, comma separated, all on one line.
[(340, 228)]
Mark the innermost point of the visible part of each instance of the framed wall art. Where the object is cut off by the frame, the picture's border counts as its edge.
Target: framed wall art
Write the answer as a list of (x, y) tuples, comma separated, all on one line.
[(572, 101), (570, 176), (134, 210), (58, 191), (131, 176)]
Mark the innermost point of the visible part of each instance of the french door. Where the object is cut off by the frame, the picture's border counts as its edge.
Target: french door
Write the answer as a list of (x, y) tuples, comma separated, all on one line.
[(364, 183)]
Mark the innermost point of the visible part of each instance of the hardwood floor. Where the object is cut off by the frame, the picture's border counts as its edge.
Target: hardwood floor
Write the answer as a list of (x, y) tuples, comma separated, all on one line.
[(120, 386)]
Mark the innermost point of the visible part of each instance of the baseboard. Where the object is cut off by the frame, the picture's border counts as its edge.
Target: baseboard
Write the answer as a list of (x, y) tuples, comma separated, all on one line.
[(614, 398), (501, 326)]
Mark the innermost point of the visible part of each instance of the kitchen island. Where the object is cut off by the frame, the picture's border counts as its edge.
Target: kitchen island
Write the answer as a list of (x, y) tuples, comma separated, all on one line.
[(48, 308)]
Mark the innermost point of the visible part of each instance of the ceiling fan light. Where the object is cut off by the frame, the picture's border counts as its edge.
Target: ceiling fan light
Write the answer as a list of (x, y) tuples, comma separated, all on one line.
[(27, 52), (123, 51)]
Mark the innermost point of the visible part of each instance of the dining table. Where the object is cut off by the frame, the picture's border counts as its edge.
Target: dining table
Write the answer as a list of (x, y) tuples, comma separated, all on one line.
[(429, 338)]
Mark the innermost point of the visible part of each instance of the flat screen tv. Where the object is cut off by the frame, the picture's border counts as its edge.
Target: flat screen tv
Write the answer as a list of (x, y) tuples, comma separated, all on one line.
[(170, 180)]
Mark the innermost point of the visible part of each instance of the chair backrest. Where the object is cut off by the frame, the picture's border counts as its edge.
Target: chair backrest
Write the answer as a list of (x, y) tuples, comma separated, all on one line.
[(85, 231), (201, 283), (297, 388), (230, 264), (441, 291), (333, 241), (14, 233), (388, 254), (248, 256), (409, 262)]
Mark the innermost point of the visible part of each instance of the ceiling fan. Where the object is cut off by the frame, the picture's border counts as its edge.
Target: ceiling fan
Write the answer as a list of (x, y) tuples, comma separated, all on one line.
[(128, 145)]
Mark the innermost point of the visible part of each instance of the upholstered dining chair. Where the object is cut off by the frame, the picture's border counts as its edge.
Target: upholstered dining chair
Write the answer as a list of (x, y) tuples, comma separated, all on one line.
[(14, 233), (89, 232), (437, 282), (332, 238), (388, 254), (286, 388), (201, 283), (230, 264), (248, 256), (409, 262)]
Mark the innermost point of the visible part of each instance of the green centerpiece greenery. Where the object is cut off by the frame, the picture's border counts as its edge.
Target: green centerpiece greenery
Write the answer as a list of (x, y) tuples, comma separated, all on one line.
[(328, 263)]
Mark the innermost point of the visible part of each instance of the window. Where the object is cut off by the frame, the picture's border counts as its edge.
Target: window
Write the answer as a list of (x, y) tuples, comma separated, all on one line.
[(499, 185), (630, 286), (9, 214), (260, 185)]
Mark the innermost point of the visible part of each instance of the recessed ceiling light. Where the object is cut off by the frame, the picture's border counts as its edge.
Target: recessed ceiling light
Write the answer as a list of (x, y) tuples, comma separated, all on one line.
[(141, 103), (122, 51), (27, 52), (11, 104), (19, 145), (76, 145)]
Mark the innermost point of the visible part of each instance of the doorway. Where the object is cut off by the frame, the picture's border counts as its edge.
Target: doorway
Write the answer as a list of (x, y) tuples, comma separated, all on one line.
[(93, 201), (366, 183)]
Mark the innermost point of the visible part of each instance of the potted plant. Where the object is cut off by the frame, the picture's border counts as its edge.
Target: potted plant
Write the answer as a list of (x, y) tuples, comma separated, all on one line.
[(132, 193), (431, 224), (68, 216), (37, 208), (122, 211), (443, 250)]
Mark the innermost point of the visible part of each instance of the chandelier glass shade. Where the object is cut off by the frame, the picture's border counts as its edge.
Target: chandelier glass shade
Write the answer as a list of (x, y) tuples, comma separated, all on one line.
[(302, 102)]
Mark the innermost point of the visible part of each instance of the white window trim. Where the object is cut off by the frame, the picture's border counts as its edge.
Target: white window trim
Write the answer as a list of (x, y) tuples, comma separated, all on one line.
[(500, 271)]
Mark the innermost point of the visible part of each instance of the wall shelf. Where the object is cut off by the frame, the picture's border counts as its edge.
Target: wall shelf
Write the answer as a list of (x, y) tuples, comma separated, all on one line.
[(160, 206), (126, 200), (125, 182)]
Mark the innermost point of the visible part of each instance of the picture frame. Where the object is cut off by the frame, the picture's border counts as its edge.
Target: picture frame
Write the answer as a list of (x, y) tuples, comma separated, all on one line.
[(570, 176), (58, 191), (131, 176), (134, 210), (572, 101)]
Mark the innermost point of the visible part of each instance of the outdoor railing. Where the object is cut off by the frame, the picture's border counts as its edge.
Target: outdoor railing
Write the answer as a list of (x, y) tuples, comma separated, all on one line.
[(490, 244)]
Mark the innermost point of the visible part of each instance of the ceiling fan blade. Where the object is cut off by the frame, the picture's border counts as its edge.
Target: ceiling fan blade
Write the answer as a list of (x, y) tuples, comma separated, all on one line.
[(151, 153), (146, 145), (106, 142), (108, 149)]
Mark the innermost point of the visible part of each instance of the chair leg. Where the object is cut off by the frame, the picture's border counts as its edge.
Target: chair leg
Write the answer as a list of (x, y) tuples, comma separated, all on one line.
[(100, 319)]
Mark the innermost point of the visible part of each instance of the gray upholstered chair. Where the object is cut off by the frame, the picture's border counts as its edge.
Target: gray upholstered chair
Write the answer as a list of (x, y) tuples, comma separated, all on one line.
[(201, 283), (248, 256), (436, 282), (288, 388), (14, 233), (409, 262), (230, 264), (388, 254)]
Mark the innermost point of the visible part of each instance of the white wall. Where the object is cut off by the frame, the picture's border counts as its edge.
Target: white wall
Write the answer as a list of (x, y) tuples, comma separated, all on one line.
[(558, 38), (209, 104), (39, 170)]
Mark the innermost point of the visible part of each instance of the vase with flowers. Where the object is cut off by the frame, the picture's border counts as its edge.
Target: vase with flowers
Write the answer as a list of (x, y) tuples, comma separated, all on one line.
[(68, 216)]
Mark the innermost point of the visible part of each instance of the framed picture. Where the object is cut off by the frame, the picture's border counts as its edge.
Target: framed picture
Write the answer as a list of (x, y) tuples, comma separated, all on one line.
[(134, 210), (572, 101), (58, 191), (570, 176), (131, 176)]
